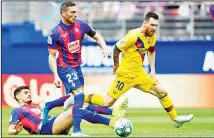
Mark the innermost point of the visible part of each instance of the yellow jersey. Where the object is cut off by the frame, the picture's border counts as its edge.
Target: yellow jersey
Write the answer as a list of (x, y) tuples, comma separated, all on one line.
[(134, 46)]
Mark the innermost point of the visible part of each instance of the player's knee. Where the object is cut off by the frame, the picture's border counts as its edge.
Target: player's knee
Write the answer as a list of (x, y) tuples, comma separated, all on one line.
[(55, 131), (162, 94), (77, 91), (108, 101), (108, 104), (85, 105)]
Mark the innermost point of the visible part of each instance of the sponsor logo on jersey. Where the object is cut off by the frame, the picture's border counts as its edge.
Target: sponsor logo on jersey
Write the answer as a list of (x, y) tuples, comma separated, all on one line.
[(74, 46), (141, 50)]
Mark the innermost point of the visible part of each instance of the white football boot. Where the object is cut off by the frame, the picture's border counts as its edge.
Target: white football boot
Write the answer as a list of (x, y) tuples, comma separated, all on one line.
[(69, 102), (180, 120), (79, 134)]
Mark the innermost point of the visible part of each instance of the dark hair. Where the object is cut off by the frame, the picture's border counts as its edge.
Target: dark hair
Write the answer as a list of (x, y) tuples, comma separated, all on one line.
[(18, 90), (151, 15), (65, 5)]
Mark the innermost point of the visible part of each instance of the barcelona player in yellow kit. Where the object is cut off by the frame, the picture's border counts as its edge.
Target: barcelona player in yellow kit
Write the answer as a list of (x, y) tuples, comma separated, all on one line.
[(130, 73)]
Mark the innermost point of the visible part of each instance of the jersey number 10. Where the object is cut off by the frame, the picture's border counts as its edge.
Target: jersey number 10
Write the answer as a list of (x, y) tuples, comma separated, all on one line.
[(119, 85)]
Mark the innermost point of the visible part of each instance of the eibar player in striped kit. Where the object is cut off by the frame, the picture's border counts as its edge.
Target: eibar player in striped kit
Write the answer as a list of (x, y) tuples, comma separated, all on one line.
[(66, 38), (28, 116)]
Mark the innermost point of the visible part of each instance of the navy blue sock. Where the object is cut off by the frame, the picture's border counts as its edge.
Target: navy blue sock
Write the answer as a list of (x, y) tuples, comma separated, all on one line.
[(58, 102), (78, 103), (99, 109), (94, 117)]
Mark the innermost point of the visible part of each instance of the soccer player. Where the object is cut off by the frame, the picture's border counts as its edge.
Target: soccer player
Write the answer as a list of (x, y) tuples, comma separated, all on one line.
[(66, 38), (130, 74), (28, 116)]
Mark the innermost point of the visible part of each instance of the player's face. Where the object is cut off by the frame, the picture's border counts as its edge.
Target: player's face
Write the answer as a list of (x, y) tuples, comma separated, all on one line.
[(25, 96), (151, 27), (70, 14)]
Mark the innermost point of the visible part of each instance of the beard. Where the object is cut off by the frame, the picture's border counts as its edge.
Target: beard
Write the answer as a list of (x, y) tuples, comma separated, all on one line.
[(30, 101), (149, 33), (70, 20)]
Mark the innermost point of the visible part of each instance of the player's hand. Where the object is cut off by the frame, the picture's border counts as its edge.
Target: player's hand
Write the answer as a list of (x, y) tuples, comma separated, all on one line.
[(106, 53), (114, 69), (19, 126), (57, 81)]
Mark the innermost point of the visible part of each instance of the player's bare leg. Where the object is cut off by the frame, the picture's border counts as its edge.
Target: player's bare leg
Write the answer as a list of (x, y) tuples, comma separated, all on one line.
[(63, 122), (108, 101), (166, 102), (99, 99)]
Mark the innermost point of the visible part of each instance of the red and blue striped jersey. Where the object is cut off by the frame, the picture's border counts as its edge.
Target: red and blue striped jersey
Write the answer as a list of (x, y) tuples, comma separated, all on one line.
[(68, 41), (29, 115)]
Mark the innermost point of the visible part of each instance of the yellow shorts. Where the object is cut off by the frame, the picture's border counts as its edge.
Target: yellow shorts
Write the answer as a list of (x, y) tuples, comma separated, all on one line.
[(122, 84)]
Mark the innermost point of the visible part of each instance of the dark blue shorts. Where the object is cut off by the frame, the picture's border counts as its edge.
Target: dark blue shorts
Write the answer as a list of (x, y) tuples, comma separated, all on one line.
[(71, 77), (47, 128)]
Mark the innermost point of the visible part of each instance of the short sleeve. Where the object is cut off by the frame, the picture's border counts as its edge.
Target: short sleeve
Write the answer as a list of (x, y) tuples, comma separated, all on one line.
[(87, 27), (52, 40), (128, 41), (14, 117)]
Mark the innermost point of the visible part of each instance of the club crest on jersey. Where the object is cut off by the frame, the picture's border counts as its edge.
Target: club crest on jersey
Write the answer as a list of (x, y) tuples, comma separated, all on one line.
[(149, 41), (77, 30), (74, 46)]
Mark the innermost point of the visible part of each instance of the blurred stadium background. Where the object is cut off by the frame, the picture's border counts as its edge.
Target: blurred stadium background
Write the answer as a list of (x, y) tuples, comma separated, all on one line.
[(184, 59)]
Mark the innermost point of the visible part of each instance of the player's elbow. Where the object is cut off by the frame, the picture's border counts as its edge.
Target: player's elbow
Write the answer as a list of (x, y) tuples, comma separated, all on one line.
[(12, 133), (52, 52), (163, 94), (116, 51), (97, 37)]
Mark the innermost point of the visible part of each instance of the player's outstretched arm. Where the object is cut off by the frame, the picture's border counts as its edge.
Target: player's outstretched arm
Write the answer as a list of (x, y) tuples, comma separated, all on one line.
[(15, 128), (99, 39)]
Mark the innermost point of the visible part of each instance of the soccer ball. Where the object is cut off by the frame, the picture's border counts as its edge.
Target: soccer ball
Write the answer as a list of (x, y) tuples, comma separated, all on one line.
[(123, 127)]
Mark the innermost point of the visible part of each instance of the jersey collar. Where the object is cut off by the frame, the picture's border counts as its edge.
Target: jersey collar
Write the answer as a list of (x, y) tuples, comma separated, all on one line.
[(64, 26), (29, 104)]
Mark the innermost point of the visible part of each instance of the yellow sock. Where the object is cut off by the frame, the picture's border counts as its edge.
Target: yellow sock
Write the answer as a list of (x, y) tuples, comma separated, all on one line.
[(166, 102), (97, 99)]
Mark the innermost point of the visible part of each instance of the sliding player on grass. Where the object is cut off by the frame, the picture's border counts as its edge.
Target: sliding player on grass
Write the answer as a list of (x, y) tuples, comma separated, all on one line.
[(28, 116)]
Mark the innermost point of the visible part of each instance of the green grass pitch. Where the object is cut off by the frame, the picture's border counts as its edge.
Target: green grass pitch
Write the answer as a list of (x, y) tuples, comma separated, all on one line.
[(147, 122)]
